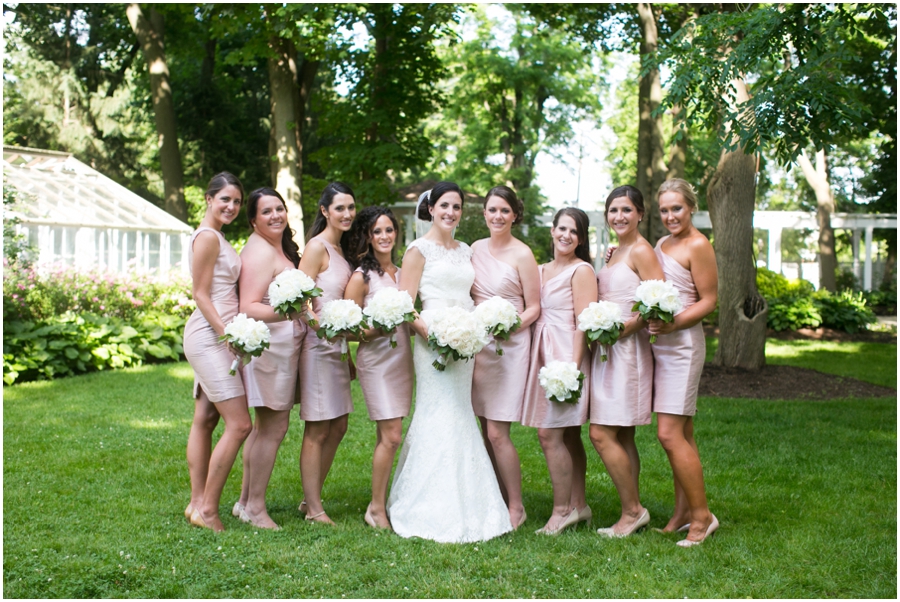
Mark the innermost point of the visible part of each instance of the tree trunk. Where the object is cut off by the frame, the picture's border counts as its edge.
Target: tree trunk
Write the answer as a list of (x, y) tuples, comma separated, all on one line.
[(818, 179), (282, 78), (678, 150), (302, 92), (891, 264), (650, 160), (742, 310), (150, 32)]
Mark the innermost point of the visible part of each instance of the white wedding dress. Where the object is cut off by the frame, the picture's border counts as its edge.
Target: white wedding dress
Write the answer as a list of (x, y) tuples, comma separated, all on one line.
[(445, 488)]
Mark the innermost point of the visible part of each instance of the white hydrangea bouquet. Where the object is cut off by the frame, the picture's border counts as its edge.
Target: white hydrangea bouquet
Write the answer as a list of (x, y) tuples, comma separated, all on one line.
[(562, 381), (499, 318), (388, 309), (656, 299), (340, 318), (457, 334), (602, 321), (246, 336), (292, 290)]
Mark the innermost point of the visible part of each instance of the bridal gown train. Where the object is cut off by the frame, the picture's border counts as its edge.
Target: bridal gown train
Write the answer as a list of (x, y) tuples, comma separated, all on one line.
[(445, 488)]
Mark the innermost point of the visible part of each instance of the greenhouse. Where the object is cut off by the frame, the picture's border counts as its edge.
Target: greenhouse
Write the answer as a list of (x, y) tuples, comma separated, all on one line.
[(73, 215)]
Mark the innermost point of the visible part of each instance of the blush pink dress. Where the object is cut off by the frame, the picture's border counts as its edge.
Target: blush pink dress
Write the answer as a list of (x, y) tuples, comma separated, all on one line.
[(553, 339), (209, 357), (271, 378), (498, 383), (622, 386), (678, 357), (385, 374), (324, 388)]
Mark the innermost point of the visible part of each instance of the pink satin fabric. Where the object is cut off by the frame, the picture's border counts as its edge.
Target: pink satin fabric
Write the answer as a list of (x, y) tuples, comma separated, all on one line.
[(324, 388), (385, 374), (622, 386), (209, 357), (498, 382), (553, 338), (678, 357)]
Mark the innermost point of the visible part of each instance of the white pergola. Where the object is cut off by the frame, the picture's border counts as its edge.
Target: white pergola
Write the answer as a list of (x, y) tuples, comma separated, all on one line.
[(76, 216)]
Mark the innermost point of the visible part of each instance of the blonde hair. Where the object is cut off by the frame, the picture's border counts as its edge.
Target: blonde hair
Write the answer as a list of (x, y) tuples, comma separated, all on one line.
[(682, 187)]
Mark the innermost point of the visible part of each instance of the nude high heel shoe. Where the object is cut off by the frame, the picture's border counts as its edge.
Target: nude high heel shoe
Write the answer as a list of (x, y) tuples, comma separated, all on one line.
[(712, 528)]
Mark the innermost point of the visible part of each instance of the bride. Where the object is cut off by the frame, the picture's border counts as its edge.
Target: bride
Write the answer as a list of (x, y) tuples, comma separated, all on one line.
[(444, 488)]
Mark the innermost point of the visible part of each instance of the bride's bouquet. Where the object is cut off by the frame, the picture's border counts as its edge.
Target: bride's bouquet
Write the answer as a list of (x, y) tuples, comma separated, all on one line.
[(246, 336), (499, 318), (656, 299), (388, 309), (340, 318), (562, 381), (602, 321), (291, 291), (456, 334)]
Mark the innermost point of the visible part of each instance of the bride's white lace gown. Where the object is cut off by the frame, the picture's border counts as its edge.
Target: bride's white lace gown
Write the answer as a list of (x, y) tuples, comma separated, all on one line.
[(445, 488)]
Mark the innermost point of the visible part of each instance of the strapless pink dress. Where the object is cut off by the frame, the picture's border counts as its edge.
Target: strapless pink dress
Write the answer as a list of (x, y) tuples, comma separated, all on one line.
[(553, 338), (498, 383), (324, 388), (385, 374), (209, 357), (622, 386), (678, 357), (271, 378)]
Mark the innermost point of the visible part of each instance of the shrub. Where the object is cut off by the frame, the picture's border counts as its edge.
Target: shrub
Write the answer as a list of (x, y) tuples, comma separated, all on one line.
[(791, 313), (845, 310), (846, 280), (773, 285), (884, 300)]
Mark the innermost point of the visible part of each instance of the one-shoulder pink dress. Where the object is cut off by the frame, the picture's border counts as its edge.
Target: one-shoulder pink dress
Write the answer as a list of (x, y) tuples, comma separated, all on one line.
[(553, 338), (622, 386), (324, 388), (385, 374), (678, 357), (498, 383), (208, 356), (271, 378)]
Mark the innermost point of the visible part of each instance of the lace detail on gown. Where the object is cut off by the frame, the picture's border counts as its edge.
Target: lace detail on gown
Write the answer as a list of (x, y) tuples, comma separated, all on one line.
[(444, 488)]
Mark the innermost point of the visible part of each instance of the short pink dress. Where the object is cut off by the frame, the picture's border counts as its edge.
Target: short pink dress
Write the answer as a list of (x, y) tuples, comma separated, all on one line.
[(622, 386), (208, 356), (498, 383), (385, 374), (271, 378), (553, 338), (324, 389), (678, 357)]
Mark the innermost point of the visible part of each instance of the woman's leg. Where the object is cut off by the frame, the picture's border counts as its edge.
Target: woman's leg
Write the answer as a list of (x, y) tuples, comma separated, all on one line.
[(237, 429), (245, 461), (199, 446), (390, 433), (336, 432), (559, 463), (607, 441), (676, 435), (490, 451), (270, 429), (314, 435), (507, 467), (572, 439)]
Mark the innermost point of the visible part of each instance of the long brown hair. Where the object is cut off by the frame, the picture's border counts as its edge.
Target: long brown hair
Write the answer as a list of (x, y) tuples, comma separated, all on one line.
[(291, 249), (582, 222)]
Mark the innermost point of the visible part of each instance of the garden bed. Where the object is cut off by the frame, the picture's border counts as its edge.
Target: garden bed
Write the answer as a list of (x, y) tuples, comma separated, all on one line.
[(785, 383)]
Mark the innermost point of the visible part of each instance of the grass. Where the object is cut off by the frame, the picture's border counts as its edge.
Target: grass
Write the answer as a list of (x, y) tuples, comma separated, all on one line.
[(95, 482)]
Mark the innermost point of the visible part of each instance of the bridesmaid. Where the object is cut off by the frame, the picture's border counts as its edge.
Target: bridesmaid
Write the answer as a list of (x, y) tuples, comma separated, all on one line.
[(504, 267), (385, 374), (688, 261), (270, 379), (622, 387), (215, 269), (567, 287), (324, 379)]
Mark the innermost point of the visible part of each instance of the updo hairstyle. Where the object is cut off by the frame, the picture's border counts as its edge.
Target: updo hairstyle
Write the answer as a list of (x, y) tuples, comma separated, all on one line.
[(515, 203), (439, 190)]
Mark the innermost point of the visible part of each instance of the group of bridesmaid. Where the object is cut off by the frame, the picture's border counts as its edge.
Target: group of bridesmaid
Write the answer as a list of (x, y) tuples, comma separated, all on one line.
[(350, 256)]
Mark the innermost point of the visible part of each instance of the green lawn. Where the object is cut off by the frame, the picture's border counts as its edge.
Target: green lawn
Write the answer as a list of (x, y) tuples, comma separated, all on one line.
[(95, 483)]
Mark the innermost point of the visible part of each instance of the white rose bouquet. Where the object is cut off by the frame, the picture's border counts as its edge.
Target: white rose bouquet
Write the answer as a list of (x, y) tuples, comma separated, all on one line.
[(602, 321), (340, 318), (656, 299), (562, 381), (248, 337), (499, 318), (455, 334), (292, 290), (388, 309)]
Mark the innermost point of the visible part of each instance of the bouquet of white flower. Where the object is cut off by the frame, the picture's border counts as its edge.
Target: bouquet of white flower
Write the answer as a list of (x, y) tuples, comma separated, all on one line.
[(562, 381), (388, 309), (456, 334), (248, 337), (340, 318), (291, 291), (499, 318), (656, 299), (602, 321)]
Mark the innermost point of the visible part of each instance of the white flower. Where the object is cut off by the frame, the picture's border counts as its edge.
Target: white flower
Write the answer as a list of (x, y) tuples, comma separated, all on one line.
[(390, 307), (495, 312), (341, 315), (656, 299), (247, 336), (651, 292), (561, 381), (456, 333), (600, 315), (670, 302), (290, 286)]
